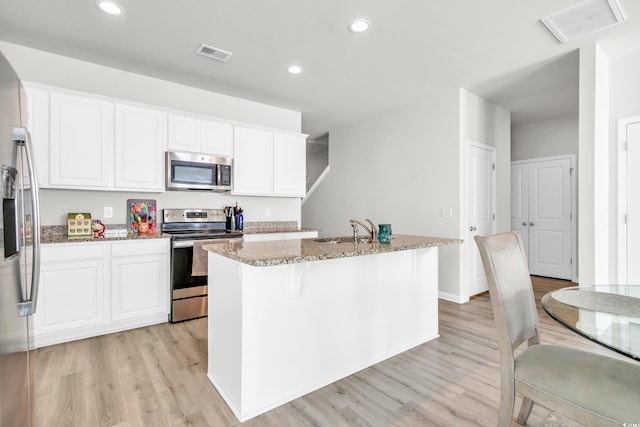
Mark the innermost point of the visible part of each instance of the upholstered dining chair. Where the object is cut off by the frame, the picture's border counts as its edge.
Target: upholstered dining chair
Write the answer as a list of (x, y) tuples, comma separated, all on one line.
[(592, 389)]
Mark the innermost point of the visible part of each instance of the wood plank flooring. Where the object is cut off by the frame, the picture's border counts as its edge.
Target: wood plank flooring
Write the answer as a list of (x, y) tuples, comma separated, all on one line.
[(156, 376)]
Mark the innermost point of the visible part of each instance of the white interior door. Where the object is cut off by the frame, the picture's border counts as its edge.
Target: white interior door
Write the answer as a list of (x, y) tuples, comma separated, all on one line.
[(550, 219), (541, 212), (481, 208), (520, 201), (633, 203)]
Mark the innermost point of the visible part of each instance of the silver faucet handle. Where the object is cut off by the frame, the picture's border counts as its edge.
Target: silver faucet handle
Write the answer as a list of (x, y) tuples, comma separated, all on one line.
[(374, 229), (354, 225)]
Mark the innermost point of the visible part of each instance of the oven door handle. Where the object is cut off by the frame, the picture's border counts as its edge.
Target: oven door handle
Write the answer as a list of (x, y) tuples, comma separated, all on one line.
[(179, 244)]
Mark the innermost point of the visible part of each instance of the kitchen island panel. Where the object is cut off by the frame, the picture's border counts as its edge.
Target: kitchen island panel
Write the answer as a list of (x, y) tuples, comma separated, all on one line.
[(305, 325)]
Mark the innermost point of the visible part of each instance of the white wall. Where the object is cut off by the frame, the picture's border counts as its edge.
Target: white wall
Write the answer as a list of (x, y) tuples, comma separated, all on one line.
[(546, 138), (46, 68), (402, 167), (593, 159), (55, 204), (488, 124), (317, 159), (625, 102), (399, 167)]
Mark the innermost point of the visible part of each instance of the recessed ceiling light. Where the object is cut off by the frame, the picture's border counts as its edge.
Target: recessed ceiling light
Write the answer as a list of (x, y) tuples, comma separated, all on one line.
[(359, 25), (110, 7), (294, 69)]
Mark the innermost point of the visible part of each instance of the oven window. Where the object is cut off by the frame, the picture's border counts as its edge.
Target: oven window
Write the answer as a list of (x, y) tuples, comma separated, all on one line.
[(181, 269), (193, 173)]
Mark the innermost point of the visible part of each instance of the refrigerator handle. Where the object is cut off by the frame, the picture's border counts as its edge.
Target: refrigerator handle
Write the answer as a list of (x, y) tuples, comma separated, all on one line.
[(23, 138)]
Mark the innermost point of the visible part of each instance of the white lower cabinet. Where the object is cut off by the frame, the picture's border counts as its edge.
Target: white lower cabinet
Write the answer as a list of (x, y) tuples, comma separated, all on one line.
[(94, 288), (139, 280), (72, 292)]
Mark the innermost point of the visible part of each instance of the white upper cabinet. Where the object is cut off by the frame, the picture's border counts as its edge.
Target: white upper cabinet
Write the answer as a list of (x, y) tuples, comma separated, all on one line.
[(81, 141), (200, 136), (289, 165), (252, 162), (217, 138), (38, 127), (140, 141), (268, 164), (91, 142)]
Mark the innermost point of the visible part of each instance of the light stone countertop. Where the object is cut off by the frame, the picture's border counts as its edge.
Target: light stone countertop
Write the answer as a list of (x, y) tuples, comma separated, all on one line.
[(277, 252), (58, 234)]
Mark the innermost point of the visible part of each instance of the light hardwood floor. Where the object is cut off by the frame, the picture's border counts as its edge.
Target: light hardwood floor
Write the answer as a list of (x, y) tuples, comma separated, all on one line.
[(156, 376)]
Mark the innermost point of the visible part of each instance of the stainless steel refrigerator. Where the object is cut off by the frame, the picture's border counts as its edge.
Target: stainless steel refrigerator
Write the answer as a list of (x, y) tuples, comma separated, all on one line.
[(19, 252)]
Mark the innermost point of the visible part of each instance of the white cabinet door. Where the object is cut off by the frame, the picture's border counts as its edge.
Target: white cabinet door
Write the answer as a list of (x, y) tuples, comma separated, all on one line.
[(38, 127), (72, 286), (289, 165), (140, 279), (217, 138), (184, 133), (140, 143), (200, 136), (252, 162), (81, 141)]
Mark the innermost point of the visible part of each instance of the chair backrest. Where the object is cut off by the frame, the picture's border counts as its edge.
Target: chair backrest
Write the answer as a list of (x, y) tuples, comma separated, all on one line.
[(512, 299)]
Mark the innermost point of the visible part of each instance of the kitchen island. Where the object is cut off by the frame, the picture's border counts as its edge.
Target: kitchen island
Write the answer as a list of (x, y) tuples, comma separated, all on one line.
[(288, 317)]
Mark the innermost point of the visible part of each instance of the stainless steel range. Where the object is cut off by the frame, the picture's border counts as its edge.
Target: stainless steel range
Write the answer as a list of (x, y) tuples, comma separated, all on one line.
[(190, 229)]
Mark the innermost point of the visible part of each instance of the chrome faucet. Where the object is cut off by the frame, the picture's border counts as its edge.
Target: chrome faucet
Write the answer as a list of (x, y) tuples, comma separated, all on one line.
[(373, 234)]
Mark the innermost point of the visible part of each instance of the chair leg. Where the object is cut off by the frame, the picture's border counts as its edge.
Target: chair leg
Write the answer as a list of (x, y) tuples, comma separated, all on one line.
[(525, 410), (507, 402)]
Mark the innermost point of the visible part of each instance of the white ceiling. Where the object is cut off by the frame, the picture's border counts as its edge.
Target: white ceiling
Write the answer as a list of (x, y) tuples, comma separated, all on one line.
[(497, 49)]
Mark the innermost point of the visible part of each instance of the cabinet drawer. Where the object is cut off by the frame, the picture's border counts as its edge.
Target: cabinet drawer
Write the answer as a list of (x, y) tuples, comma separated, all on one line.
[(56, 252), (140, 247)]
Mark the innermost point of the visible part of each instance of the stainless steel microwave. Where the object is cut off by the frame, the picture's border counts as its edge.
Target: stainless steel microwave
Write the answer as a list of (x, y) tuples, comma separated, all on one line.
[(192, 171)]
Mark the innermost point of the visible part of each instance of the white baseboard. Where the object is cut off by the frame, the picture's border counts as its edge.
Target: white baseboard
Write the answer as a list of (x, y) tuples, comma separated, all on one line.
[(458, 299)]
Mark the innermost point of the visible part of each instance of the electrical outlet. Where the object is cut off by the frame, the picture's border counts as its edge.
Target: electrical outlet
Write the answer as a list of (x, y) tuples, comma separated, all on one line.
[(108, 212), (267, 211)]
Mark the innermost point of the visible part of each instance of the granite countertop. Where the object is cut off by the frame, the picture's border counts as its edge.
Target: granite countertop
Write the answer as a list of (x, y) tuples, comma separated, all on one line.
[(277, 252), (265, 227), (58, 234)]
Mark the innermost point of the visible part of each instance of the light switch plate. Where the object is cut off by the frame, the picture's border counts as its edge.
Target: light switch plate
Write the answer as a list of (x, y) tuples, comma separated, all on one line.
[(108, 212), (447, 213)]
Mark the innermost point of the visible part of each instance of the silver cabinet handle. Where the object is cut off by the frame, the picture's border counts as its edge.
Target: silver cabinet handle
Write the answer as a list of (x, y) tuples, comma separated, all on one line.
[(472, 228), (531, 223), (22, 138), (524, 223)]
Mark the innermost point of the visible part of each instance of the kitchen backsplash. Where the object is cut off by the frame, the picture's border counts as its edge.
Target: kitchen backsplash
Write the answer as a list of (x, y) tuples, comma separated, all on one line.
[(56, 204)]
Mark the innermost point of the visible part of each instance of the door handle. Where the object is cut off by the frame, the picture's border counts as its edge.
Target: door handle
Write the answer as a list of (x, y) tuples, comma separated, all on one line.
[(524, 223), (531, 223), (28, 306), (472, 228)]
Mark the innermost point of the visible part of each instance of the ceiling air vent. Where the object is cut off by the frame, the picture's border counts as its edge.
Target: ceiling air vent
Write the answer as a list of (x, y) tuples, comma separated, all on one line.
[(213, 53), (584, 19)]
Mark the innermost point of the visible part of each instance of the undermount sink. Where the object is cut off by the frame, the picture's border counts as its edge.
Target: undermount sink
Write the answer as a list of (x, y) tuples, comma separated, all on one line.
[(347, 239)]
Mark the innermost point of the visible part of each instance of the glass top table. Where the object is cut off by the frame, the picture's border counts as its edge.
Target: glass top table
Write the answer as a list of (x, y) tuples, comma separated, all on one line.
[(606, 314)]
